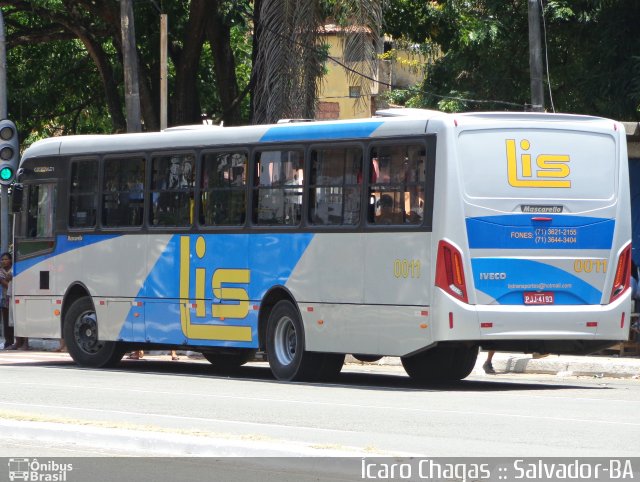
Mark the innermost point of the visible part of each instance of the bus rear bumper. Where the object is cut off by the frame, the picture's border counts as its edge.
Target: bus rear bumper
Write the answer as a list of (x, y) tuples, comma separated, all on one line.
[(511, 322)]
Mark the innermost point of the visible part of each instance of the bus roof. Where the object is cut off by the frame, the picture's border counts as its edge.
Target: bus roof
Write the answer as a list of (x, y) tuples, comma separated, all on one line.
[(387, 123)]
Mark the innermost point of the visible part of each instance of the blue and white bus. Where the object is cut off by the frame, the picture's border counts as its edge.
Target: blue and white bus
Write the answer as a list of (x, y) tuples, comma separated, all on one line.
[(422, 236)]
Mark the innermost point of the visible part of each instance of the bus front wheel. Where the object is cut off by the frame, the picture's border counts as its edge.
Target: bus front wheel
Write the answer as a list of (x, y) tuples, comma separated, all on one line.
[(285, 345), (80, 332)]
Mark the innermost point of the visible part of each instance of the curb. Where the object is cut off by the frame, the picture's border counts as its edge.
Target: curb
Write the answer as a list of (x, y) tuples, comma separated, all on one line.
[(564, 365), (559, 365)]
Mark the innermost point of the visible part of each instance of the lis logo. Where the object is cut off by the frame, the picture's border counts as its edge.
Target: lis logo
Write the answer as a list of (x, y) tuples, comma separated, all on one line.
[(232, 301), (551, 170)]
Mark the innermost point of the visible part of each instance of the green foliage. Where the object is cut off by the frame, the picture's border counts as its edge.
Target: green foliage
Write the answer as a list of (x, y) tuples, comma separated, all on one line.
[(592, 50), (56, 86), (47, 100), (478, 55)]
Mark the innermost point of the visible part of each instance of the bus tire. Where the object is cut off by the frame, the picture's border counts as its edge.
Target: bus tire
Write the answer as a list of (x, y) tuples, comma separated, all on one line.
[(330, 366), (463, 361), (367, 358), (287, 357), (80, 332), (229, 361), (441, 364)]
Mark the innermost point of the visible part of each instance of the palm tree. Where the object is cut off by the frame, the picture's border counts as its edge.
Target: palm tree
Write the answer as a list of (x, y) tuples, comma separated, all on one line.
[(288, 56)]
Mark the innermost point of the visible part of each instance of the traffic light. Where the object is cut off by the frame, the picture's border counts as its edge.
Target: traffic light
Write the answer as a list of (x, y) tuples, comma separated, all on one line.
[(9, 151)]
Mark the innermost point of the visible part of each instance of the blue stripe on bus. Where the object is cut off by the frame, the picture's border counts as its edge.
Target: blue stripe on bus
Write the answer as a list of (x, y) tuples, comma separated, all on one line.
[(515, 276), (297, 132), (161, 321), (63, 245), (522, 231)]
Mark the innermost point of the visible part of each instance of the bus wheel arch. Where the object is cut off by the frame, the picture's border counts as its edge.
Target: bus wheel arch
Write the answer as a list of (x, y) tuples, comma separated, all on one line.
[(285, 345), (81, 335), (75, 292), (282, 337), (269, 301)]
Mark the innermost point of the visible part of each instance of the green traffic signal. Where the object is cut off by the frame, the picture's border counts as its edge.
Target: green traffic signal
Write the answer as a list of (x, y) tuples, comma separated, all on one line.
[(6, 173), (9, 151)]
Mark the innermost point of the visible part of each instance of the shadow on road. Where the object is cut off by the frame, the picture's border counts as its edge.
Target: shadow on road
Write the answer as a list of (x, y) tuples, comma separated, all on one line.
[(350, 377)]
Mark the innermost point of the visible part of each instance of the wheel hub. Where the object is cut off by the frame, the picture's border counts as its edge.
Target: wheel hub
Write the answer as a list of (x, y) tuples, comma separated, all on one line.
[(86, 332), (285, 341)]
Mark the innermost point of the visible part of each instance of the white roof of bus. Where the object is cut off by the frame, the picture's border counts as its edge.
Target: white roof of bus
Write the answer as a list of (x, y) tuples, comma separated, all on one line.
[(389, 122)]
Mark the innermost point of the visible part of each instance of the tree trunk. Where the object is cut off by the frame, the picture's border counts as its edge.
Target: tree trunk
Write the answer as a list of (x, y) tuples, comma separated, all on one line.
[(149, 102), (257, 33), (219, 36), (97, 54), (186, 102)]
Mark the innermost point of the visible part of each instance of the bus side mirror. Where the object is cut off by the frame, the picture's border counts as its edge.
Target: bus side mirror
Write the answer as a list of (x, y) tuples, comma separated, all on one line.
[(16, 198)]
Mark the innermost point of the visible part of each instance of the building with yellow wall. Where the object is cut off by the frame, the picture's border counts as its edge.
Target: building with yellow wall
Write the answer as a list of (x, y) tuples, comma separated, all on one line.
[(338, 99)]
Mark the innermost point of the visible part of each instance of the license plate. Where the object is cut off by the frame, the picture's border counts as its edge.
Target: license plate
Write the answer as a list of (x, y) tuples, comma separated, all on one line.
[(538, 298)]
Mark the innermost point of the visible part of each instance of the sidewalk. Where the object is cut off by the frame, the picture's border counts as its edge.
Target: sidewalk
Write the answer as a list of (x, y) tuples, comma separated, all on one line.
[(560, 365)]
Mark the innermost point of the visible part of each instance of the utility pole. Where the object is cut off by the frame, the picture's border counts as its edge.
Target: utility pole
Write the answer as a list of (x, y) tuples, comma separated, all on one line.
[(132, 93), (4, 190), (535, 57)]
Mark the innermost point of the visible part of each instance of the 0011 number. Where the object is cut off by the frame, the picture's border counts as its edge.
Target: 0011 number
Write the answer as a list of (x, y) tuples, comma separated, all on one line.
[(406, 268)]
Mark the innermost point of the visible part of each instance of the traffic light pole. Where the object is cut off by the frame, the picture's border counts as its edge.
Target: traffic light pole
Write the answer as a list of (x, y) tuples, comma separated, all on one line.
[(4, 190)]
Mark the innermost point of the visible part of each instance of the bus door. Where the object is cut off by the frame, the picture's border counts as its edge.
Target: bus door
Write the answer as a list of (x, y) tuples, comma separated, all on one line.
[(34, 244)]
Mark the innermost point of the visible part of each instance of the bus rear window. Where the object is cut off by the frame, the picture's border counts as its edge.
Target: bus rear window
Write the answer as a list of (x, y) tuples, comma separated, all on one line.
[(537, 164)]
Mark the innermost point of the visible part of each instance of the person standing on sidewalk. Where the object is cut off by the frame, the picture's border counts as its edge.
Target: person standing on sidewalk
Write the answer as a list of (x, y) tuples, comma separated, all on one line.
[(5, 279), (21, 343)]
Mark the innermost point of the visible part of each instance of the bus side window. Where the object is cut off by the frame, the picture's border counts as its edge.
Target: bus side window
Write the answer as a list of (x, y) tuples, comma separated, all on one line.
[(277, 195), (335, 186), (41, 210), (396, 188), (223, 189), (83, 188), (173, 182), (122, 192)]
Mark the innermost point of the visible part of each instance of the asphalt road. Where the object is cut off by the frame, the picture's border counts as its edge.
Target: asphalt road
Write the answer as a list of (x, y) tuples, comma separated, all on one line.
[(370, 411)]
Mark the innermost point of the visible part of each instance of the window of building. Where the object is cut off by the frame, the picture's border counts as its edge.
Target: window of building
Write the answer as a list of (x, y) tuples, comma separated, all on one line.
[(354, 91), (334, 187), (123, 192), (396, 187), (278, 190), (223, 188), (83, 189), (172, 190)]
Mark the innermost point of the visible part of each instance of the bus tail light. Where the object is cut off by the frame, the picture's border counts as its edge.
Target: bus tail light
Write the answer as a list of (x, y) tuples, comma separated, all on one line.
[(450, 272), (623, 274)]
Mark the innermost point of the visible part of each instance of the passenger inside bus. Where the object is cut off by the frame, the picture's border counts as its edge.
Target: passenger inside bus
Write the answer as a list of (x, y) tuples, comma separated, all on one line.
[(385, 213)]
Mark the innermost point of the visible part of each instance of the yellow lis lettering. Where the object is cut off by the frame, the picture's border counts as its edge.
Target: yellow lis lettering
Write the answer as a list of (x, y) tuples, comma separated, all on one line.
[(553, 168), (238, 309)]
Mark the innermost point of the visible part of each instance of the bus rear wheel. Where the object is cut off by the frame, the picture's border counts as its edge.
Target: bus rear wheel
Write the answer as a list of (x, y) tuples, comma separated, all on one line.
[(367, 358), (80, 332), (441, 363), (330, 366), (229, 361), (287, 357)]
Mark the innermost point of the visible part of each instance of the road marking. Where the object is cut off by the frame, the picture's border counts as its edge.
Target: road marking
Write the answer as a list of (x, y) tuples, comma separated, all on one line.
[(175, 417)]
